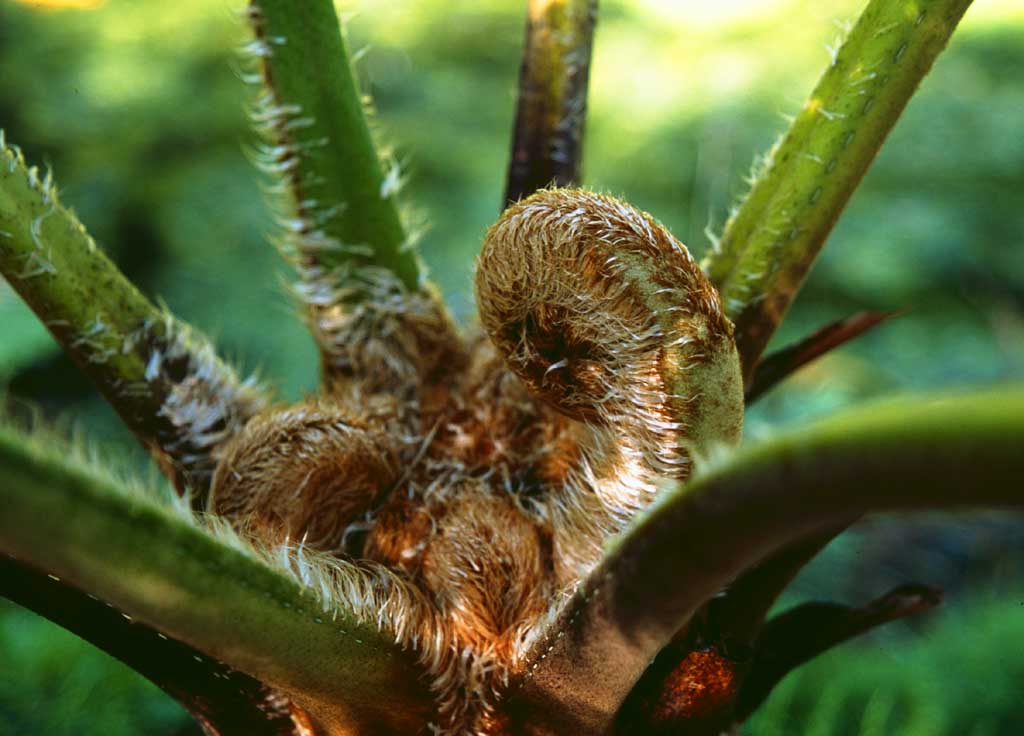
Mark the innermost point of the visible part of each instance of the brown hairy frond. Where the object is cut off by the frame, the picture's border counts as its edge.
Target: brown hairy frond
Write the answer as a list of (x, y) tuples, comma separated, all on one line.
[(489, 486), (606, 316)]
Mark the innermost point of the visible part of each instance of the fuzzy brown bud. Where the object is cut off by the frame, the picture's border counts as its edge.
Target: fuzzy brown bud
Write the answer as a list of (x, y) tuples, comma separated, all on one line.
[(303, 473)]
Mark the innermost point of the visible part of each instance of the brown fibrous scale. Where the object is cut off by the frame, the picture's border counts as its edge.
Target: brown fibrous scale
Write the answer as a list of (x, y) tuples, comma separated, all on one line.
[(485, 495)]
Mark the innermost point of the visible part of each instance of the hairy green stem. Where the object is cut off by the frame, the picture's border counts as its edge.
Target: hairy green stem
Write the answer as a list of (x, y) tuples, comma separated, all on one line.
[(164, 380), (547, 137), (376, 319), (98, 536), (919, 453), (342, 202), (771, 240)]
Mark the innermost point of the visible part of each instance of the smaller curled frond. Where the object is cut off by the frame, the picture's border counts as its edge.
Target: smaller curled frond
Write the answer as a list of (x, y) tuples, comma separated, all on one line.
[(304, 473)]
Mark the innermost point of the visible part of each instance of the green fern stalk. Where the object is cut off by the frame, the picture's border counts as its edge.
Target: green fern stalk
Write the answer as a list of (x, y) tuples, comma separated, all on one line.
[(341, 200), (806, 179)]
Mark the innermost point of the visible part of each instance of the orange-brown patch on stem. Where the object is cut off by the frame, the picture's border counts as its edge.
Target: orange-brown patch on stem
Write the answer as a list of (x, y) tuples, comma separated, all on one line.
[(702, 687)]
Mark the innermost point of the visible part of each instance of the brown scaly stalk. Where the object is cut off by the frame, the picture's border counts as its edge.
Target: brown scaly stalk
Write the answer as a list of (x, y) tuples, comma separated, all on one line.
[(498, 537), (547, 136)]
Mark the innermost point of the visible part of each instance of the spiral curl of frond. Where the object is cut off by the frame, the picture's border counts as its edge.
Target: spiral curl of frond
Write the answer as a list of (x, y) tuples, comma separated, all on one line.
[(606, 317)]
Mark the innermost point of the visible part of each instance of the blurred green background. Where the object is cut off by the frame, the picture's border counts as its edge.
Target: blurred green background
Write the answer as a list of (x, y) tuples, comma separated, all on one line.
[(137, 106)]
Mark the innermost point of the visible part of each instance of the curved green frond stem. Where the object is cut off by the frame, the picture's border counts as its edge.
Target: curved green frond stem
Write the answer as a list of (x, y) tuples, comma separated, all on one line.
[(919, 453), (778, 366), (341, 201), (799, 190), (731, 621), (164, 380), (802, 633), (227, 702), (208, 591), (547, 138)]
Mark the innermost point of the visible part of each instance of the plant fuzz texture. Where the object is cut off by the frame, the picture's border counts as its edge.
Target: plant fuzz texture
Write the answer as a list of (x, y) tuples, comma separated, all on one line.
[(485, 497)]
